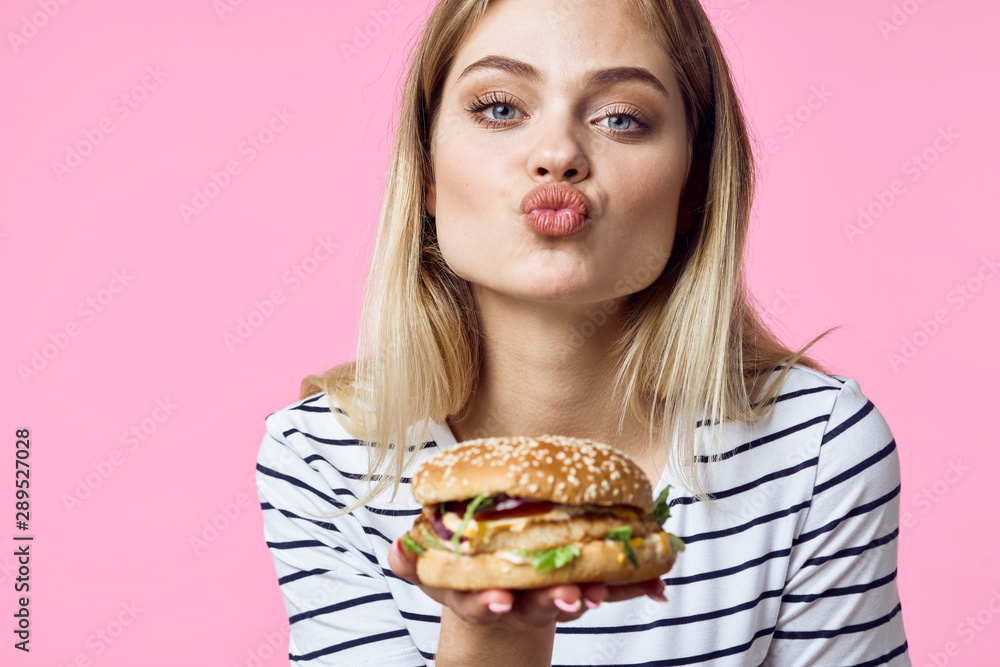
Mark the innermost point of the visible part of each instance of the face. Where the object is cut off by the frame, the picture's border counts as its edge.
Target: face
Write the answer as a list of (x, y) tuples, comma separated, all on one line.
[(547, 106)]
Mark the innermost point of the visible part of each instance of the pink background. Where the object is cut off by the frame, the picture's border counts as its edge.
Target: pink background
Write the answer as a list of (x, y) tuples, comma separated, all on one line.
[(116, 517)]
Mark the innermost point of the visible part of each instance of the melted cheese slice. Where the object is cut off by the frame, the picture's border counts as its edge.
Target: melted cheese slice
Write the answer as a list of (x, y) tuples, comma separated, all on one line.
[(482, 531)]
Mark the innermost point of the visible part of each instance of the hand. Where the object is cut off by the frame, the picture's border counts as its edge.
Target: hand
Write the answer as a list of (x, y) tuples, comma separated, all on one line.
[(522, 610)]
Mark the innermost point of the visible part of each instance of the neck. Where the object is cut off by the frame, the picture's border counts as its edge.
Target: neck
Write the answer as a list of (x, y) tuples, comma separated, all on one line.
[(548, 370)]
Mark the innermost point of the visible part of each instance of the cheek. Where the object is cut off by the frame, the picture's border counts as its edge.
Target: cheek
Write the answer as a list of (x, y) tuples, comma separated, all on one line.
[(460, 171), (649, 202), (648, 199), (457, 176)]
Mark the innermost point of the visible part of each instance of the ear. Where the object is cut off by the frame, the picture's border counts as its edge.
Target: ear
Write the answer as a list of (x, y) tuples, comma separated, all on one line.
[(695, 190)]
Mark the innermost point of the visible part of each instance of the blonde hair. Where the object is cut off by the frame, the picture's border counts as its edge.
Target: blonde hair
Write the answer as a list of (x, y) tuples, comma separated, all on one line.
[(694, 351)]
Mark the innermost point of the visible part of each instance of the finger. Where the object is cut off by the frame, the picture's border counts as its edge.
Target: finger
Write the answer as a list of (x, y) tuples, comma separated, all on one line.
[(526, 610), (541, 606), (402, 564), (594, 594), (652, 588), (481, 607), (484, 607)]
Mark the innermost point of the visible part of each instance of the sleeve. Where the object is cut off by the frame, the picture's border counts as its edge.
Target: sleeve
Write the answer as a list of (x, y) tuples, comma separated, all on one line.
[(840, 605), (340, 609)]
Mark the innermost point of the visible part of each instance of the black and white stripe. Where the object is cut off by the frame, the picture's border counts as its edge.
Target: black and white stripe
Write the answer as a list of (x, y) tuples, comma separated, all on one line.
[(796, 565)]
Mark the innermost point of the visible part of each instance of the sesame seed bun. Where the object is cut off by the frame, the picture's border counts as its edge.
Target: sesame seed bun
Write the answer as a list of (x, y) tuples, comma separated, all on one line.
[(559, 469), (592, 497)]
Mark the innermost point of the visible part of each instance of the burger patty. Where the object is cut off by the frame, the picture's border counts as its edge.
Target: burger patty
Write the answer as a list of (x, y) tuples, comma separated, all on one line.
[(538, 534)]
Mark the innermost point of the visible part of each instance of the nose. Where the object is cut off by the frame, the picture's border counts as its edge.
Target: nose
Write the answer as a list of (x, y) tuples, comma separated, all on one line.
[(558, 151)]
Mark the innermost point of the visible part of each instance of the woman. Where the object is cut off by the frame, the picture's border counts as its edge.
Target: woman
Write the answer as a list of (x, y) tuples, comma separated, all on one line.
[(616, 312)]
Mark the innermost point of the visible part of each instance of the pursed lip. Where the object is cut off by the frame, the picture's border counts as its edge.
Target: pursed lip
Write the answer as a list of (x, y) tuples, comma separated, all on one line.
[(555, 197)]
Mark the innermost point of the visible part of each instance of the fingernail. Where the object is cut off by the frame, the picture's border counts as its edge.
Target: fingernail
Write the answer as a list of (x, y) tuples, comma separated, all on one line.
[(396, 550), (499, 607), (567, 607), (591, 604)]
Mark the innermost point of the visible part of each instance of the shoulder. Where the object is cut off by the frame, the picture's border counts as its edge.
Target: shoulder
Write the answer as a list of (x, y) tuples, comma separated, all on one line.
[(836, 399), (304, 439), (312, 417), (821, 421), (317, 433), (857, 460)]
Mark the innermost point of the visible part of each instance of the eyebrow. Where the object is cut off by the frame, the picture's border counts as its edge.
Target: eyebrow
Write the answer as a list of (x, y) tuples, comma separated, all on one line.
[(601, 77)]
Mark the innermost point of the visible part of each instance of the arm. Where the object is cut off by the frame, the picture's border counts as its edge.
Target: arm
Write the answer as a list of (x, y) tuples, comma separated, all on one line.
[(463, 643), (840, 604), (338, 602)]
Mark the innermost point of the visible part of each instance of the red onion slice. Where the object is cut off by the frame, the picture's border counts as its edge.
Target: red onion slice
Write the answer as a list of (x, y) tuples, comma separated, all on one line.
[(442, 530)]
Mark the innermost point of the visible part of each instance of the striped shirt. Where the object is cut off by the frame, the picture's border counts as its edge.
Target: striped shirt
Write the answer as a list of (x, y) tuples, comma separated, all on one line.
[(795, 566)]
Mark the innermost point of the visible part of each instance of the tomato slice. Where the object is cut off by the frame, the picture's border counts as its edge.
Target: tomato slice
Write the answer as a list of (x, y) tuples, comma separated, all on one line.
[(525, 508), (501, 507)]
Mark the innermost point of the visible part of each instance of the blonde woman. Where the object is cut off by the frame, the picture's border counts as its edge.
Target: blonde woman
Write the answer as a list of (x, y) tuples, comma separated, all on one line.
[(560, 252)]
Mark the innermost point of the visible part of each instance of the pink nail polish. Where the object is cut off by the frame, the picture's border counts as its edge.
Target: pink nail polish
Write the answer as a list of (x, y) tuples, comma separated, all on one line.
[(396, 550), (591, 604), (499, 607), (567, 607)]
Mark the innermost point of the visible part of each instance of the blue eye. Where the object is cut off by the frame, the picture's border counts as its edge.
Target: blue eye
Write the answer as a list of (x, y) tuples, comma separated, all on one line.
[(627, 121), (501, 108), (623, 122)]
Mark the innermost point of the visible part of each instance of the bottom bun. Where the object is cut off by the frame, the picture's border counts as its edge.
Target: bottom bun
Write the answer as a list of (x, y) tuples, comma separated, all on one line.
[(598, 562)]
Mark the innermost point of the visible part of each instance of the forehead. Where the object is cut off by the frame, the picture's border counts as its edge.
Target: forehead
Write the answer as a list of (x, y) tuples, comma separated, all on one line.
[(565, 38)]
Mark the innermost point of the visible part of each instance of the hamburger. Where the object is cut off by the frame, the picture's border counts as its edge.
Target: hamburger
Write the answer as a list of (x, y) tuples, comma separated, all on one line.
[(531, 512)]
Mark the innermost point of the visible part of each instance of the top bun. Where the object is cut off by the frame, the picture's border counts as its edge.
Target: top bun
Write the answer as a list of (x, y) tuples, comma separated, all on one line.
[(556, 468)]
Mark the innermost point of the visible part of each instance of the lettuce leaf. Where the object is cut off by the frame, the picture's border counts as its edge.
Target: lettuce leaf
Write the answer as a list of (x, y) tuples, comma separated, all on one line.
[(550, 559), (624, 535), (412, 546), (661, 510), (432, 539), (457, 537)]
